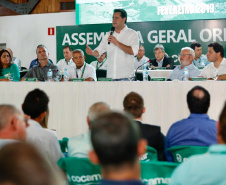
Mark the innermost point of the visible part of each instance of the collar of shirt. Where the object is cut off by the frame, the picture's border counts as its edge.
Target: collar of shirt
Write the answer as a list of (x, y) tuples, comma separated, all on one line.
[(69, 62), (123, 30), (47, 65), (194, 115), (189, 66), (81, 68), (33, 123), (160, 60), (217, 149)]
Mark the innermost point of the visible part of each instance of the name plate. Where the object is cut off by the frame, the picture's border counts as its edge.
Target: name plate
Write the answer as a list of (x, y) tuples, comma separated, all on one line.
[(158, 79), (198, 79), (31, 79), (104, 79), (160, 68), (77, 79)]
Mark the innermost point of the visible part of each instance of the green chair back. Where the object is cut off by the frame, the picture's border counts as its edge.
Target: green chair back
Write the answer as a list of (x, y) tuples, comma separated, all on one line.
[(80, 171), (150, 155), (181, 153), (63, 144), (157, 172)]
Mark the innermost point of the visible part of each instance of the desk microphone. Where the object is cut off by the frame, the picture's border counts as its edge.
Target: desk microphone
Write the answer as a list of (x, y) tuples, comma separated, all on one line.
[(112, 31)]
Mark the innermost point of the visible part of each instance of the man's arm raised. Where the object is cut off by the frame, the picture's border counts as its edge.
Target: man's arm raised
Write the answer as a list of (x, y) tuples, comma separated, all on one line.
[(89, 51)]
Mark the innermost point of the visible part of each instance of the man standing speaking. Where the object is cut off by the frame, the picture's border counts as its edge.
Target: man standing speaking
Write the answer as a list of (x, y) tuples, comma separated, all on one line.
[(121, 45)]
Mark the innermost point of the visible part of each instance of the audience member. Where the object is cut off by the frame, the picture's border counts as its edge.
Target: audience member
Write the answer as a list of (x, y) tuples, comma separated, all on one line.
[(100, 63), (35, 105), (161, 59), (217, 68), (36, 61), (40, 70), (198, 129), (67, 61), (15, 60), (200, 60), (22, 164), (12, 125), (186, 57), (140, 58), (7, 68), (117, 145), (80, 145), (81, 70), (207, 168), (133, 103)]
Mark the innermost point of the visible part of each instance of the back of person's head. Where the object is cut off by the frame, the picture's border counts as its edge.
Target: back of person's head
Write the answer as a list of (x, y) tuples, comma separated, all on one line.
[(195, 44), (35, 103), (222, 124), (198, 100), (115, 140), (22, 164), (133, 103), (96, 110), (217, 48)]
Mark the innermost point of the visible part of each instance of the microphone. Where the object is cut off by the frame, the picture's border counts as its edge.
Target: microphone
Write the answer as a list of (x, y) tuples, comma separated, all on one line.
[(139, 67), (112, 31)]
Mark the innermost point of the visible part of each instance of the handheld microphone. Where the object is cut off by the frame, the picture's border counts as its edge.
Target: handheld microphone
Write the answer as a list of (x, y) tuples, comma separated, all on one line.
[(112, 31), (139, 67)]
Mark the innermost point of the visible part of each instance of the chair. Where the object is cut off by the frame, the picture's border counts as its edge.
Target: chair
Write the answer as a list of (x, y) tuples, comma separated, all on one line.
[(181, 153), (150, 155), (63, 144), (80, 170), (157, 172)]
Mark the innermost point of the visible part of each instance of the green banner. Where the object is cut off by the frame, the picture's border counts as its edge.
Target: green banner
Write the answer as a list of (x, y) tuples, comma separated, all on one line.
[(172, 34)]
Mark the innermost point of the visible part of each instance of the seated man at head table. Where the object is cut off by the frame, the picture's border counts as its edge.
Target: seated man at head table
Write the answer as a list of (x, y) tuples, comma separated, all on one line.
[(100, 63), (216, 70), (208, 168), (186, 57), (12, 125), (161, 59), (140, 58), (80, 145), (81, 70), (198, 129), (200, 59), (67, 61), (40, 70), (117, 145)]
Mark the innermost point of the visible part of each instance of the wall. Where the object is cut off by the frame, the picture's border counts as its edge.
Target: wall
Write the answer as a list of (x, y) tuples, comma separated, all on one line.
[(24, 32)]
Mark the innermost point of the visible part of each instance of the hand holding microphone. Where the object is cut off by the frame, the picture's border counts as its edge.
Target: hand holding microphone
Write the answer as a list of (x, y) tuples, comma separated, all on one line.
[(111, 38)]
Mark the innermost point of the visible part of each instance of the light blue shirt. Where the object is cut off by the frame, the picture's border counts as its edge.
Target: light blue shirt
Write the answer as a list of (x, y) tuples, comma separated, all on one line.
[(80, 145), (203, 169), (200, 61), (160, 63), (177, 73)]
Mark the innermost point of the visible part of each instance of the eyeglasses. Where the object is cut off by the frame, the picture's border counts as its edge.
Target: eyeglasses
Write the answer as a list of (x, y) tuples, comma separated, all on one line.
[(183, 55)]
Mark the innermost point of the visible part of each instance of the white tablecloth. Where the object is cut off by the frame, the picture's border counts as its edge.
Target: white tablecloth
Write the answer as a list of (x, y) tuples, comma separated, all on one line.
[(165, 102), (158, 73)]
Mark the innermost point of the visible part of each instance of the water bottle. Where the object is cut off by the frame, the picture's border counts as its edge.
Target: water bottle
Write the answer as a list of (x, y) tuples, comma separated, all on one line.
[(66, 77), (49, 75), (185, 74), (145, 72)]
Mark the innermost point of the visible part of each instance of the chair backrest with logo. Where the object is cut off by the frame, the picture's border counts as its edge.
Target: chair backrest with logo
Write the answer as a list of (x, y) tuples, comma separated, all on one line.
[(80, 170), (157, 172), (181, 153), (150, 155)]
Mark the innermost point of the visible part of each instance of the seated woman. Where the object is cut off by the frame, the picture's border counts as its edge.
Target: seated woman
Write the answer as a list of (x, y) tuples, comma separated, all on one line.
[(6, 67)]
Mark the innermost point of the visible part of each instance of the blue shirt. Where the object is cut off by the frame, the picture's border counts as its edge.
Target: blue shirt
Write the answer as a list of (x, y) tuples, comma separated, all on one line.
[(196, 130), (200, 61), (131, 182), (177, 73), (36, 62), (203, 169)]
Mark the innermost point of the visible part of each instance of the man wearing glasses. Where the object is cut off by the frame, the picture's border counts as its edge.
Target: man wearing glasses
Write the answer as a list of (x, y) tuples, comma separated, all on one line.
[(186, 57)]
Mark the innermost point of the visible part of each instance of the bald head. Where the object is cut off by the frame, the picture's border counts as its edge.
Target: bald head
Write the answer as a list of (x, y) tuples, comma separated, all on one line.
[(198, 100), (96, 110), (12, 125)]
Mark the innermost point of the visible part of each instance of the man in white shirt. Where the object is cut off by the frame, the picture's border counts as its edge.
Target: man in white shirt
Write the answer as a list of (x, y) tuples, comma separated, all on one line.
[(100, 63), (140, 58), (12, 125), (35, 105), (217, 68), (81, 70), (67, 61), (121, 47)]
